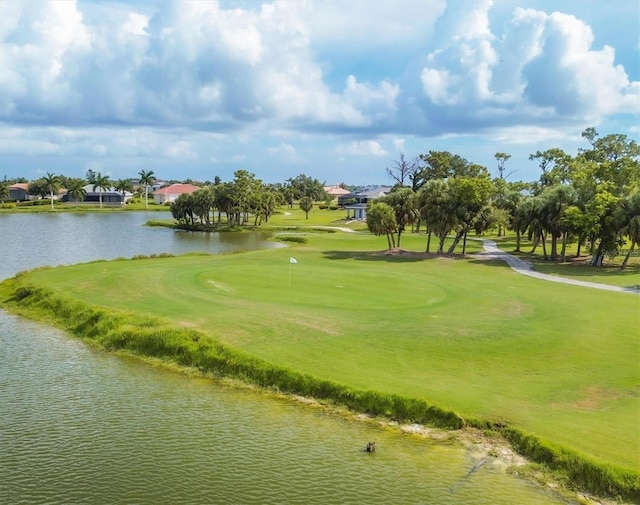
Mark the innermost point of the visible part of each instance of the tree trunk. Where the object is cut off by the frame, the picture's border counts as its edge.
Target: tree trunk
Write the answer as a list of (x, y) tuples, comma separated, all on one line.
[(563, 253), (626, 258), (554, 247), (544, 246), (536, 241), (579, 246), (517, 240), (598, 257), (456, 240), (464, 244), (428, 241)]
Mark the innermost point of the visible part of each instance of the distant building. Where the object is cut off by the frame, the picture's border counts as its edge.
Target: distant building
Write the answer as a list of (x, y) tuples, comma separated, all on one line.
[(19, 192), (109, 197), (336, 191), (356, 203), (170, 193)]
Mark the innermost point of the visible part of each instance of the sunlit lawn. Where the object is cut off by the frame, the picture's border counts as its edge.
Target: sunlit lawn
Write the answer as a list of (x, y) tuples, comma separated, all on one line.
[(470, 335)]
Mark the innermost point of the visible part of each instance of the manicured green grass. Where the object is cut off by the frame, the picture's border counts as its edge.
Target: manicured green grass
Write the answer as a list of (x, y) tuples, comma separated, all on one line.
[(560, 362)]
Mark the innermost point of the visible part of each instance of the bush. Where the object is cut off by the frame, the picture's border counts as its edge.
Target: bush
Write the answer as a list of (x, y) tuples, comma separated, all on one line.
[(8, 205), (334, 207), (293, 238)]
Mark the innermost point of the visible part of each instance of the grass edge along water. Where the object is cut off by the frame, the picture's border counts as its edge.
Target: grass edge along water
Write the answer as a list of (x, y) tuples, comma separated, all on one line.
[(150, 337)]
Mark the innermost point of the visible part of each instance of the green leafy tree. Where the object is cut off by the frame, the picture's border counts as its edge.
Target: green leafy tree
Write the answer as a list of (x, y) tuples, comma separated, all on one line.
[(123, 185), (628, 214), (556, 200), (147, 178), (306, 204), (38, 188), (470, 196), (438, 210), (101, 183), (603, 177), (381, 220), (403, 202), (554, 164), (203, 203), (75, 190), (303, 185), (182, 209)]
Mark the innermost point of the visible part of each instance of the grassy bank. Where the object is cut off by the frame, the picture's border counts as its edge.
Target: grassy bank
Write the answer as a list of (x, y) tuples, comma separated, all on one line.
[(433, 340)]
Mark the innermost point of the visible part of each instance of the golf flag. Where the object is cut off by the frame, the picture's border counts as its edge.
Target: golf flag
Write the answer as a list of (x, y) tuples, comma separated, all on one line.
[(293, 260)]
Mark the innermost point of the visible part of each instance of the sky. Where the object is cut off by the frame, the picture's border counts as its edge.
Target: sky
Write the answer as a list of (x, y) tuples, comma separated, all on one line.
[(334, 89)]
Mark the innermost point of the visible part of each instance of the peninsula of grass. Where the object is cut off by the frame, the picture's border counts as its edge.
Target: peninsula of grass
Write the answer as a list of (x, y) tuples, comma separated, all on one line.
[(450, 342)]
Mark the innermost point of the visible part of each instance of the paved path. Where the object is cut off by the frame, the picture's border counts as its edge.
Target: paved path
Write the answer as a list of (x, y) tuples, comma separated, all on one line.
[(522, 267)]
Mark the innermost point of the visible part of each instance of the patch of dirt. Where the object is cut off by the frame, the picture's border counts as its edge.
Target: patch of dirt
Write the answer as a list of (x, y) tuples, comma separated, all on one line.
[(593, 397), (319, 325)]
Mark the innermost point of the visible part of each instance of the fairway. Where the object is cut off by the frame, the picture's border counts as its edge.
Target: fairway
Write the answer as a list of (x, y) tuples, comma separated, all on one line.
[(561, 362)]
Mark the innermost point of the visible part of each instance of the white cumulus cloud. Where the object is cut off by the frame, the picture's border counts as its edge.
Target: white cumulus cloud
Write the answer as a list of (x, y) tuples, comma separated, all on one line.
[(363, 148)]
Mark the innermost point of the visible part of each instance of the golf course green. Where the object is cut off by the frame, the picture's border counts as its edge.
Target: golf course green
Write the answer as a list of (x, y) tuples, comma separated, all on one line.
[(556, 362)]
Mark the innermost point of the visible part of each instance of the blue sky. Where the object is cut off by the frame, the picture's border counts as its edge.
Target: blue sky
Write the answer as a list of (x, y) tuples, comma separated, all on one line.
[(332, 89)]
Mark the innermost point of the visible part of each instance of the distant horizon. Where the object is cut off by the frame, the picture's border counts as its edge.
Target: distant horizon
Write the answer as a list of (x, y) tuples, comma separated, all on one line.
[(336, 90)]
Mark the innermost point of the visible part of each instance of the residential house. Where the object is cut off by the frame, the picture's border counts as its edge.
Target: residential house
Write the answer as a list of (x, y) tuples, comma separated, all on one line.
[(356, 203), (19, 192), (170, 193), (109, 197), (336, 191)]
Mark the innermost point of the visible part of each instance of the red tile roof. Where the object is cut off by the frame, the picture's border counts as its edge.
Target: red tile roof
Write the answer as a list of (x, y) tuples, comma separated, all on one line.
[(177, 189)]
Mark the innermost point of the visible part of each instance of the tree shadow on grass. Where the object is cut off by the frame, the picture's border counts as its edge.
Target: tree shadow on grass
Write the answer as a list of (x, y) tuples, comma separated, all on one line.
[(395, 256)]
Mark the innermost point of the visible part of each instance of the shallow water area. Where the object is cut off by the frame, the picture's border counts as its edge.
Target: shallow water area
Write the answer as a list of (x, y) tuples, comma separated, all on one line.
[(78, 425)]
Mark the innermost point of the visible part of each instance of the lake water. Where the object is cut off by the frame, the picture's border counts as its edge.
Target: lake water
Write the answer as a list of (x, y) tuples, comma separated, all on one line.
[(79, 425)]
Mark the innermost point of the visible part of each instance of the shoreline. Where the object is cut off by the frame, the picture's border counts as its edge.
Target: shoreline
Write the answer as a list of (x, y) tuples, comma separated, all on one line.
[(227, 366)]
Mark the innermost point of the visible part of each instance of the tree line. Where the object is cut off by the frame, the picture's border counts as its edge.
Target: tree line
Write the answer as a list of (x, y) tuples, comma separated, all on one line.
[(245, 196), (592, 199)]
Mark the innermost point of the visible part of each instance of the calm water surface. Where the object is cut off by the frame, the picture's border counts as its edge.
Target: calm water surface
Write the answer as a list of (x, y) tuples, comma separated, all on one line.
[(82, 426)]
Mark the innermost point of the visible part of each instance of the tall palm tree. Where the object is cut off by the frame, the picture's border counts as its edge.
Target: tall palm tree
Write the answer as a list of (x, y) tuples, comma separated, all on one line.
[(52, 182), (75, 190), (147, 178), (123, 185), (102, 183)]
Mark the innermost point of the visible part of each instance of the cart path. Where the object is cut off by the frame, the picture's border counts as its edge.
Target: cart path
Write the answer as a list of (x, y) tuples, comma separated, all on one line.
[(491, 251)]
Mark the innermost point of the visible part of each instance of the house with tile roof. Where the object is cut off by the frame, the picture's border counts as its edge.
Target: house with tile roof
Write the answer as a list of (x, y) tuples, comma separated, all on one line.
[(170, 193)]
